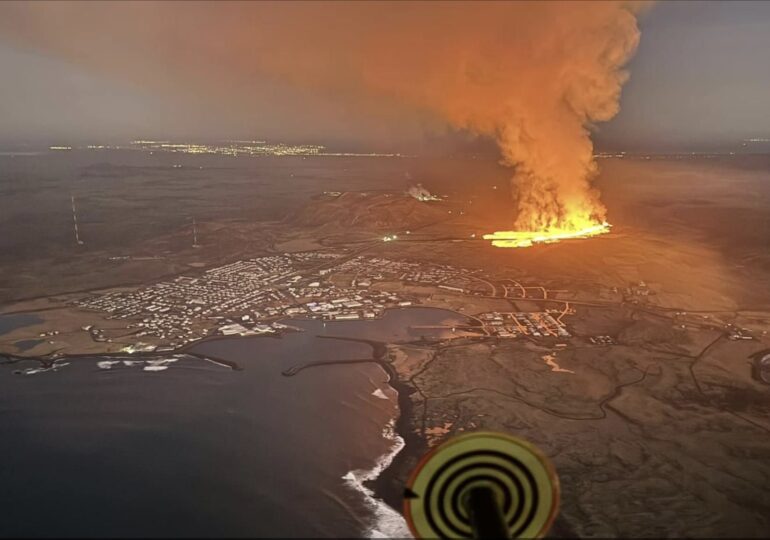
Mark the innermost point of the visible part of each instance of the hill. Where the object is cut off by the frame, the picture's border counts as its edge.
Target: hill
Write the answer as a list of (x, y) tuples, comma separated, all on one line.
[(368, 210)]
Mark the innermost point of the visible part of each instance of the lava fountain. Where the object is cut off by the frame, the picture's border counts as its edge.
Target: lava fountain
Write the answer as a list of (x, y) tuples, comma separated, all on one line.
[(547, 216), (520, 239)]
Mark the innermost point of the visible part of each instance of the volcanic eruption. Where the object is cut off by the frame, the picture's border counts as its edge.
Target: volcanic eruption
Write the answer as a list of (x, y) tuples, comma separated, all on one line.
[(536, 76)]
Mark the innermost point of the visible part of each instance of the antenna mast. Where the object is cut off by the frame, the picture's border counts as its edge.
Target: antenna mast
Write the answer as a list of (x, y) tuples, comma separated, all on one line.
[(195, 234), (75, 221)]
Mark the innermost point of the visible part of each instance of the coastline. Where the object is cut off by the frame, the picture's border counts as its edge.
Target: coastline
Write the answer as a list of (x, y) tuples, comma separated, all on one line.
[(388, 484), (384, 482), (382, 485)]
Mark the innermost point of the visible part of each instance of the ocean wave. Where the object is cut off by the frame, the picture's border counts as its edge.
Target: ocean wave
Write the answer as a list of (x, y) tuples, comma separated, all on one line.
[(161, 361), (379, 394), (155, 368), (388, 522), (54, 367), (107, 364), (158, 364)]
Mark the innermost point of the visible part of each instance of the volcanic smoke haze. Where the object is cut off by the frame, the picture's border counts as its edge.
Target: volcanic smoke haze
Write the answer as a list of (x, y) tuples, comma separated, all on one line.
[(534, 76)]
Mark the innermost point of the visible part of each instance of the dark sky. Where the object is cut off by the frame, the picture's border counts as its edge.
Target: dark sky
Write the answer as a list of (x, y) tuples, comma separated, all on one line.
[(700, 80)]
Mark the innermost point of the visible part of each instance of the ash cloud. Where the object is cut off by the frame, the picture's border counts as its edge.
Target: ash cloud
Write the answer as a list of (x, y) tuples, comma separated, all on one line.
[(536, 77)]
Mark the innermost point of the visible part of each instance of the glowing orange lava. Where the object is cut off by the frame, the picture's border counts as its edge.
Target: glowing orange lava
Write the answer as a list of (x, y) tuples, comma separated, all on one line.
[(520, 239)]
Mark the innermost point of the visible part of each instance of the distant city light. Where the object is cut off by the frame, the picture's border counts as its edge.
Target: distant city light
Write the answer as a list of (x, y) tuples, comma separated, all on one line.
[(230, 148)]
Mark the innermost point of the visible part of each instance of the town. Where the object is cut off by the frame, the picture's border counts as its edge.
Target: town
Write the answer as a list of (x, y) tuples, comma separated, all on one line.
[(256, 296), (251, 297)]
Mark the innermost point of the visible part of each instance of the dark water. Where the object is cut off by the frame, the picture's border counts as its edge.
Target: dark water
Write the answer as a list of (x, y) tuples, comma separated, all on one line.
[(12, 322), (27, 344), (199, 449)]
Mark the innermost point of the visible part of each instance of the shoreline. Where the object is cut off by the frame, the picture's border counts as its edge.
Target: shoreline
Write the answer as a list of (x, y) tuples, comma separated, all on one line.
[(380, 484), (386, 480), (386, 485)]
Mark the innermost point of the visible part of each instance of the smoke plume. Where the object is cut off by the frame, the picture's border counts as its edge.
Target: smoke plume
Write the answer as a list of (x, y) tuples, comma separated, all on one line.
[(420, 193), (534, 76)]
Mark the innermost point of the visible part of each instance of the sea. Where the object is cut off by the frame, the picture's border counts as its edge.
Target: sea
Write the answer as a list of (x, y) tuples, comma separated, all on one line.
[(177, 445)]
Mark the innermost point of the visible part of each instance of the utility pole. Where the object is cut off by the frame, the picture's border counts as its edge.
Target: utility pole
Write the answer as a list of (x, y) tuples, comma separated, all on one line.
[(195, 234), (75, 221)]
